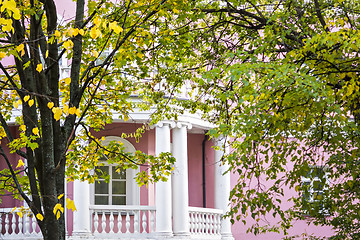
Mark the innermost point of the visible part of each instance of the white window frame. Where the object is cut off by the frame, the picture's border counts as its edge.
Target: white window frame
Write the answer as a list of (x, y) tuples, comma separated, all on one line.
[(132, 188)]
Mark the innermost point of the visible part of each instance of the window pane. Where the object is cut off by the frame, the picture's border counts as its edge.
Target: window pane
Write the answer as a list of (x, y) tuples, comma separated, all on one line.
[(119, 187), (119, 200), (101, 187), (101, 200), (120, 174), (104, 169)]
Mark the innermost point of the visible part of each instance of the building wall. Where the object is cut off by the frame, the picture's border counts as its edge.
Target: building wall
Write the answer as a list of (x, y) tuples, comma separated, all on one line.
[(195, 161), (8, 201)]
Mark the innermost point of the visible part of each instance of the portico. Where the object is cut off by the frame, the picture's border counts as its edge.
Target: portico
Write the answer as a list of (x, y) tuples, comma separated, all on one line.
[(170, 215)]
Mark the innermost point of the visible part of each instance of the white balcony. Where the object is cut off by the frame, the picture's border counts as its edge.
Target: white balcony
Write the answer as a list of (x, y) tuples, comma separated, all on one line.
[(125, 221), (137, 222), (15, 227)]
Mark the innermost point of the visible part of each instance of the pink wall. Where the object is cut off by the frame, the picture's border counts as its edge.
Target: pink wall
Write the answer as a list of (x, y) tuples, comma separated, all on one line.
[(210, 174), (8, 201), (195, 170), (299, 228), (195, 165)]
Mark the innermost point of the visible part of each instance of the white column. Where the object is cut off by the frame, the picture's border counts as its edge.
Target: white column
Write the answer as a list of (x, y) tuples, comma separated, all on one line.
[(222, 189), (82, 204), (163, 189), (180, 189)]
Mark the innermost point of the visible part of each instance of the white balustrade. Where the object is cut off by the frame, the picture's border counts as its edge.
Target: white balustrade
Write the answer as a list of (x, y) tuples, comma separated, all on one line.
[(16, 227), (205, 222), (128, 221)]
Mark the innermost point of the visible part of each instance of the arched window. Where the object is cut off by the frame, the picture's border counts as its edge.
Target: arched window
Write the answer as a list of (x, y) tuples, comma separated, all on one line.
[(121, 188)]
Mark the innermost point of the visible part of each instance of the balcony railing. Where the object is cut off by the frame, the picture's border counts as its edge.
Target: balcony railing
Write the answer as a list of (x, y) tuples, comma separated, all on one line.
[(15, 227), (205, 222), (134, 221), (109, 222)]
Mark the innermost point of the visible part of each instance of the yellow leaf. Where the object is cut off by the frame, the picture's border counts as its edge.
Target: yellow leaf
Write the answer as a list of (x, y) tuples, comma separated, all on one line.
[(67, 80), (16, 14), (39, 216), (57, 113), (58, 209), (31, 102), (95, 53), (94, 33), (2, 54), (13, 209), (70, 204), (68, 44), (97, 21), (140, 55), (16, 104), (66, 109), (39, 67), (20, 214), (57, 33), (20, 47), (117, 29), (60, 196), (35, 131), (46, 53), (78, 112), (74, 32), (112, 25), (20, 164), (72, 110), (23, 128), (50, 105), (81, 31), (26, 98)]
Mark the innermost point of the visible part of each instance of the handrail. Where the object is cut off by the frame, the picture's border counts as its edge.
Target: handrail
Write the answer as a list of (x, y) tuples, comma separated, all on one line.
[(206, 210), (122, 207)]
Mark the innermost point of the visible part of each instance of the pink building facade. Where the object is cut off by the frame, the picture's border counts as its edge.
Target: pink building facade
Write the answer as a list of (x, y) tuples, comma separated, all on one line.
[(190, 205)]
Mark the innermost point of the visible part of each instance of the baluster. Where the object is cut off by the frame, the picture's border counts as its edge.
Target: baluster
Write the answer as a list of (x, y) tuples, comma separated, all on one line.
[(211, 224), (127, 223), (152, 221), (33, 224), (191, 222), (200, 223), (119, 223), (218, 220), (20, 223), (216, 223), (96, 222), (27, 224), (196, 222), (136, 221), (7, 224), (111, 223), (13, 223), (203, 223), (207, 218), (103, 222), (143, 221)]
